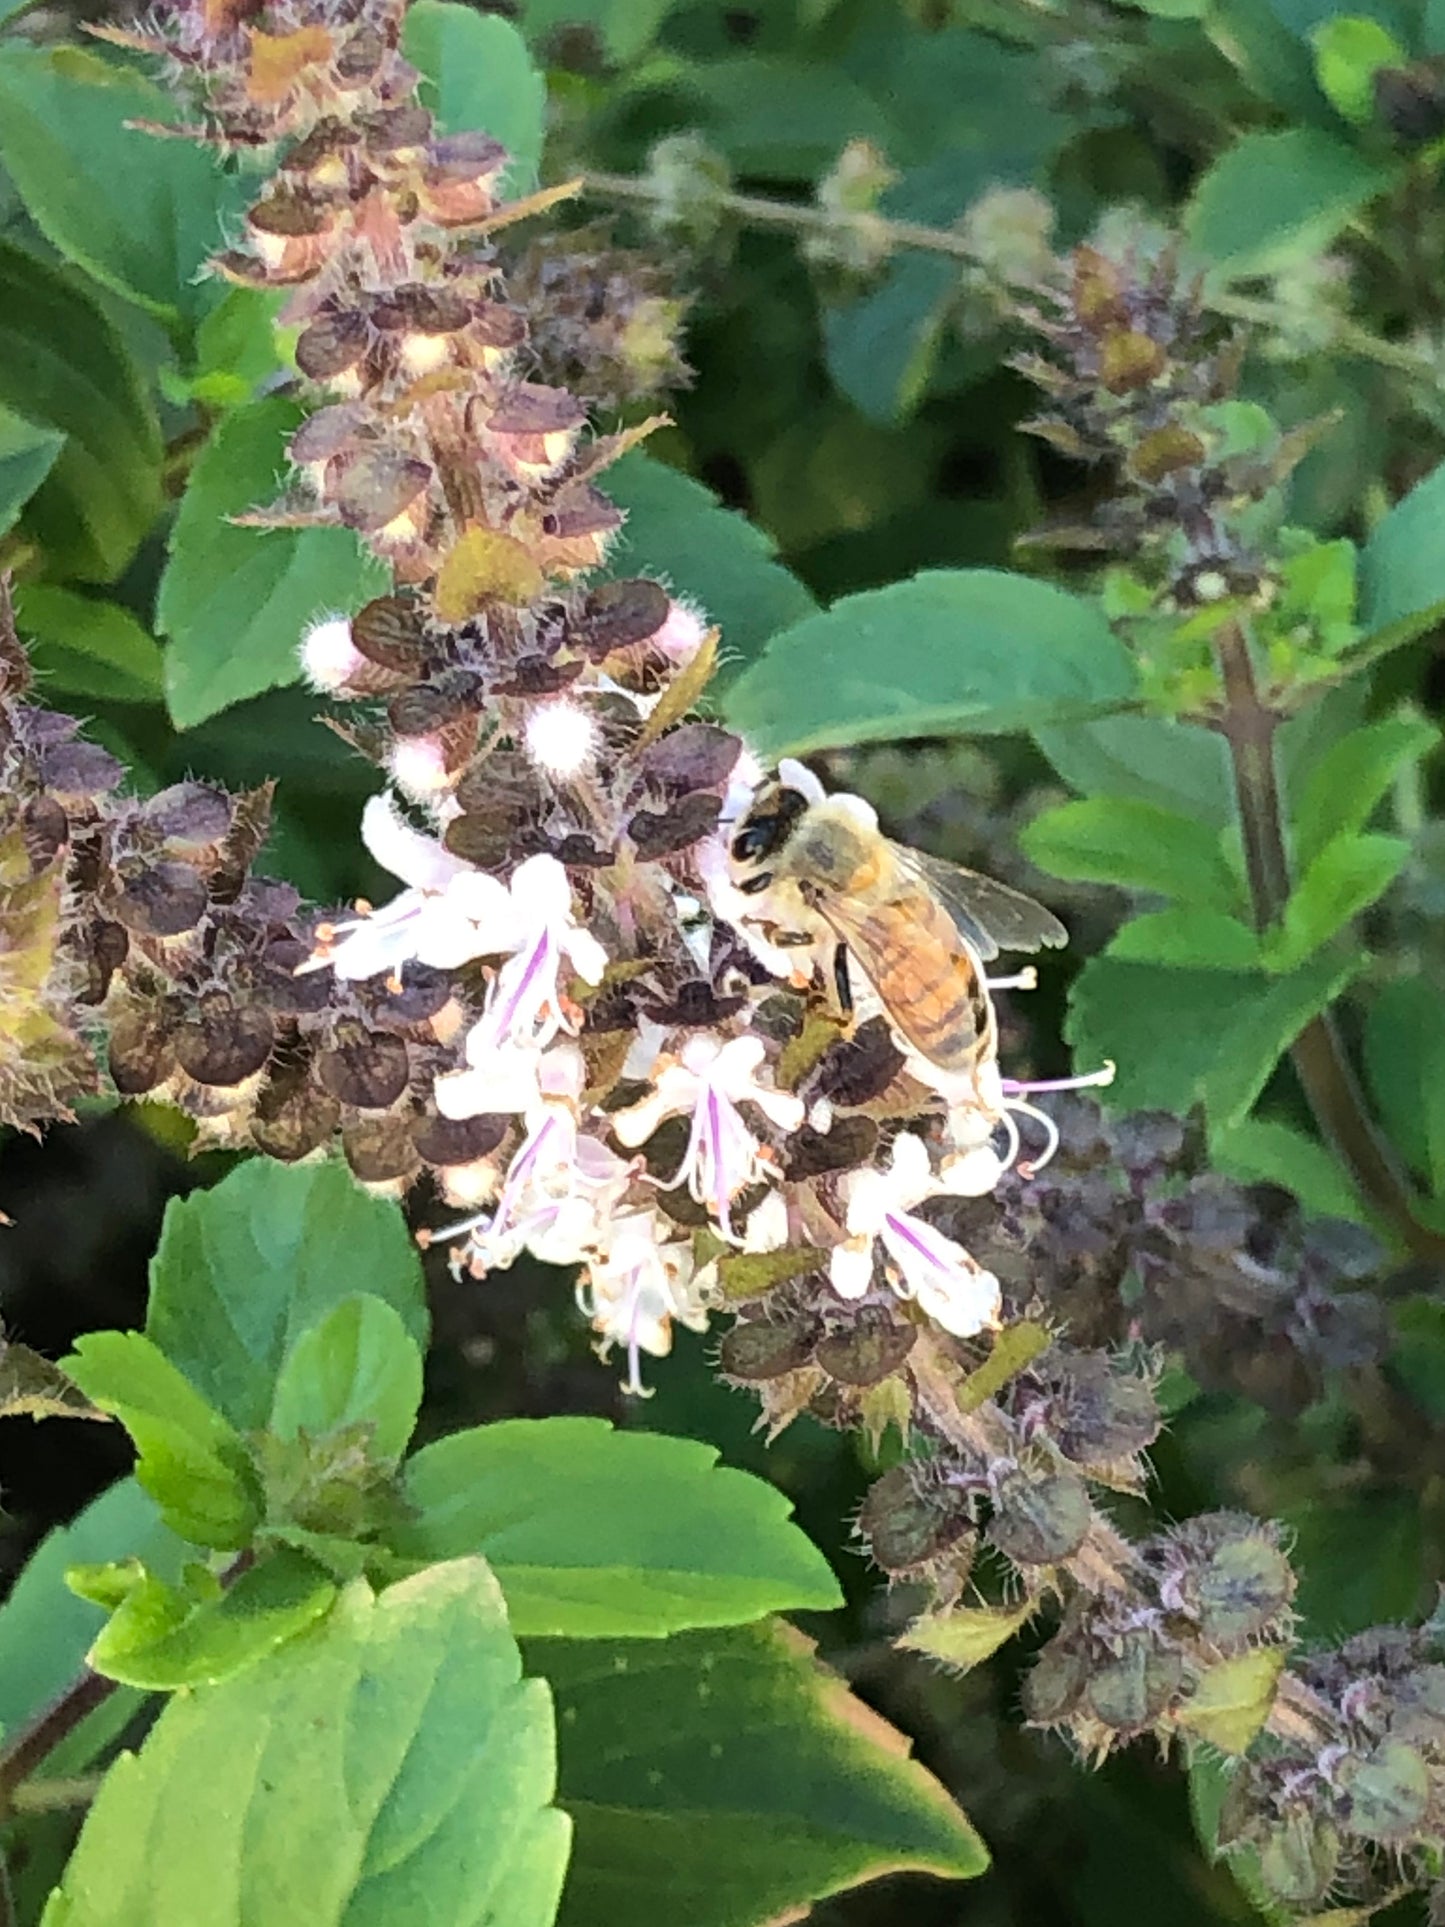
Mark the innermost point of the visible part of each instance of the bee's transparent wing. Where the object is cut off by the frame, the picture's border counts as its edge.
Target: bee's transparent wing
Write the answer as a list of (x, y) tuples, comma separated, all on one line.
[(989, 916)]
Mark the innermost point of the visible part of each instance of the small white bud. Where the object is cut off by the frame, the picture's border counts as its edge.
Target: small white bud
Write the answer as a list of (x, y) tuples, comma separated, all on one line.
[(330, 660), (682, 633), (561, 738), (418, 767)]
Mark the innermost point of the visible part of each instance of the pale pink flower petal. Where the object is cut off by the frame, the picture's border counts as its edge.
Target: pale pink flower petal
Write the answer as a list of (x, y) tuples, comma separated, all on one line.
[(418, 859)]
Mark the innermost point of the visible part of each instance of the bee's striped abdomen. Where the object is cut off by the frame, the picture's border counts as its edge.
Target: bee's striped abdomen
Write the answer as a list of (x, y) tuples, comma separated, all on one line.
[(929, 981)]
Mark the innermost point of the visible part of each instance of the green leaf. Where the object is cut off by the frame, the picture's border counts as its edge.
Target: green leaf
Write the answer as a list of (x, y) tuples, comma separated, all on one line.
[(1339, 793), (595, 1533), (64, 368), (237, 348), (627, 27), (1263, 1150), (1273, 198), (1188, 939), (1380, 643), (1405, 1063), (1135, 846), (1346, 877), (389, 1768), (1359, 1562), (84, 647), (359, 1365), (242, 1271), (882, 345), (1349, 51), (191, 1460), (1209, 1780), (725, 1778), (27, 455), (1271, 58), (139, 214), (678, 531), (45, 1630), (477, 73), (1182, 1037), (1171, 765), (948, 652), (1417, 1358), (1402, 566), (956, 96), (160, 1639), (781, 118), (234, 601)]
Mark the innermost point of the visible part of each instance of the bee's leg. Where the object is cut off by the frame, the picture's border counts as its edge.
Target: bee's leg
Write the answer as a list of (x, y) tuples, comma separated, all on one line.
[(841, 981)]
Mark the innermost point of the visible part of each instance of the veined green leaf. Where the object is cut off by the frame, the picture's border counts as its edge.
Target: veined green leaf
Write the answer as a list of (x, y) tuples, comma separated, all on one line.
[(359, 1365), (139, 214), (673, 1750), (178, 1641), (27, 455), (65, 369), (1188, 939), (1135, 846), (388, 1768), (191, 1460), (245, 1269), (1183, 1037), (1275, 197), (235, 601), (478, 74), (1347, 876), (82, 646), (949, 652), (596, 1533), (1340, 792)]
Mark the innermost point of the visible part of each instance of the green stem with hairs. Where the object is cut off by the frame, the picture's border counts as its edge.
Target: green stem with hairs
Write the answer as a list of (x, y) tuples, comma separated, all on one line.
[(889, 235)]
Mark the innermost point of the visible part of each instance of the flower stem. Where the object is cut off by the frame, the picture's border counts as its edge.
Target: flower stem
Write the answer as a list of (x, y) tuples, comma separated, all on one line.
[(803, 217), (1249, 726)]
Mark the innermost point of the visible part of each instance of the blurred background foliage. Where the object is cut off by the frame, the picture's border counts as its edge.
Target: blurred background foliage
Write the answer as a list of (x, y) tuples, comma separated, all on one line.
[(849, 390)]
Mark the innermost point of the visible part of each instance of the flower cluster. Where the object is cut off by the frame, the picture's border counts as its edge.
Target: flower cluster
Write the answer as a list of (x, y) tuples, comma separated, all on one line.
[(1141, 379), (567, 1013), (664, 1111), (1128, 1235), (1347, 1795)]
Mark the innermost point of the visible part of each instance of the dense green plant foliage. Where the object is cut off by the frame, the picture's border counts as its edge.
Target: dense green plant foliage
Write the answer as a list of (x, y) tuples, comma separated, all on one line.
[(1052, 455)]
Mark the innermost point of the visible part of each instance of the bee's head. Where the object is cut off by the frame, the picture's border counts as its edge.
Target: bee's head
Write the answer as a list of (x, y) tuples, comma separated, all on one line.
[(767, 824)]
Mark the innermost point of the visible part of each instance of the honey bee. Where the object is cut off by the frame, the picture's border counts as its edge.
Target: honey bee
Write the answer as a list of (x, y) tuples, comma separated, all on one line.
[(920, 929)]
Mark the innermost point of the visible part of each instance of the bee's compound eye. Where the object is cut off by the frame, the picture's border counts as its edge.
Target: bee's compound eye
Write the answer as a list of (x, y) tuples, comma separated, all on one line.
[(753, 885), (753, 840)]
